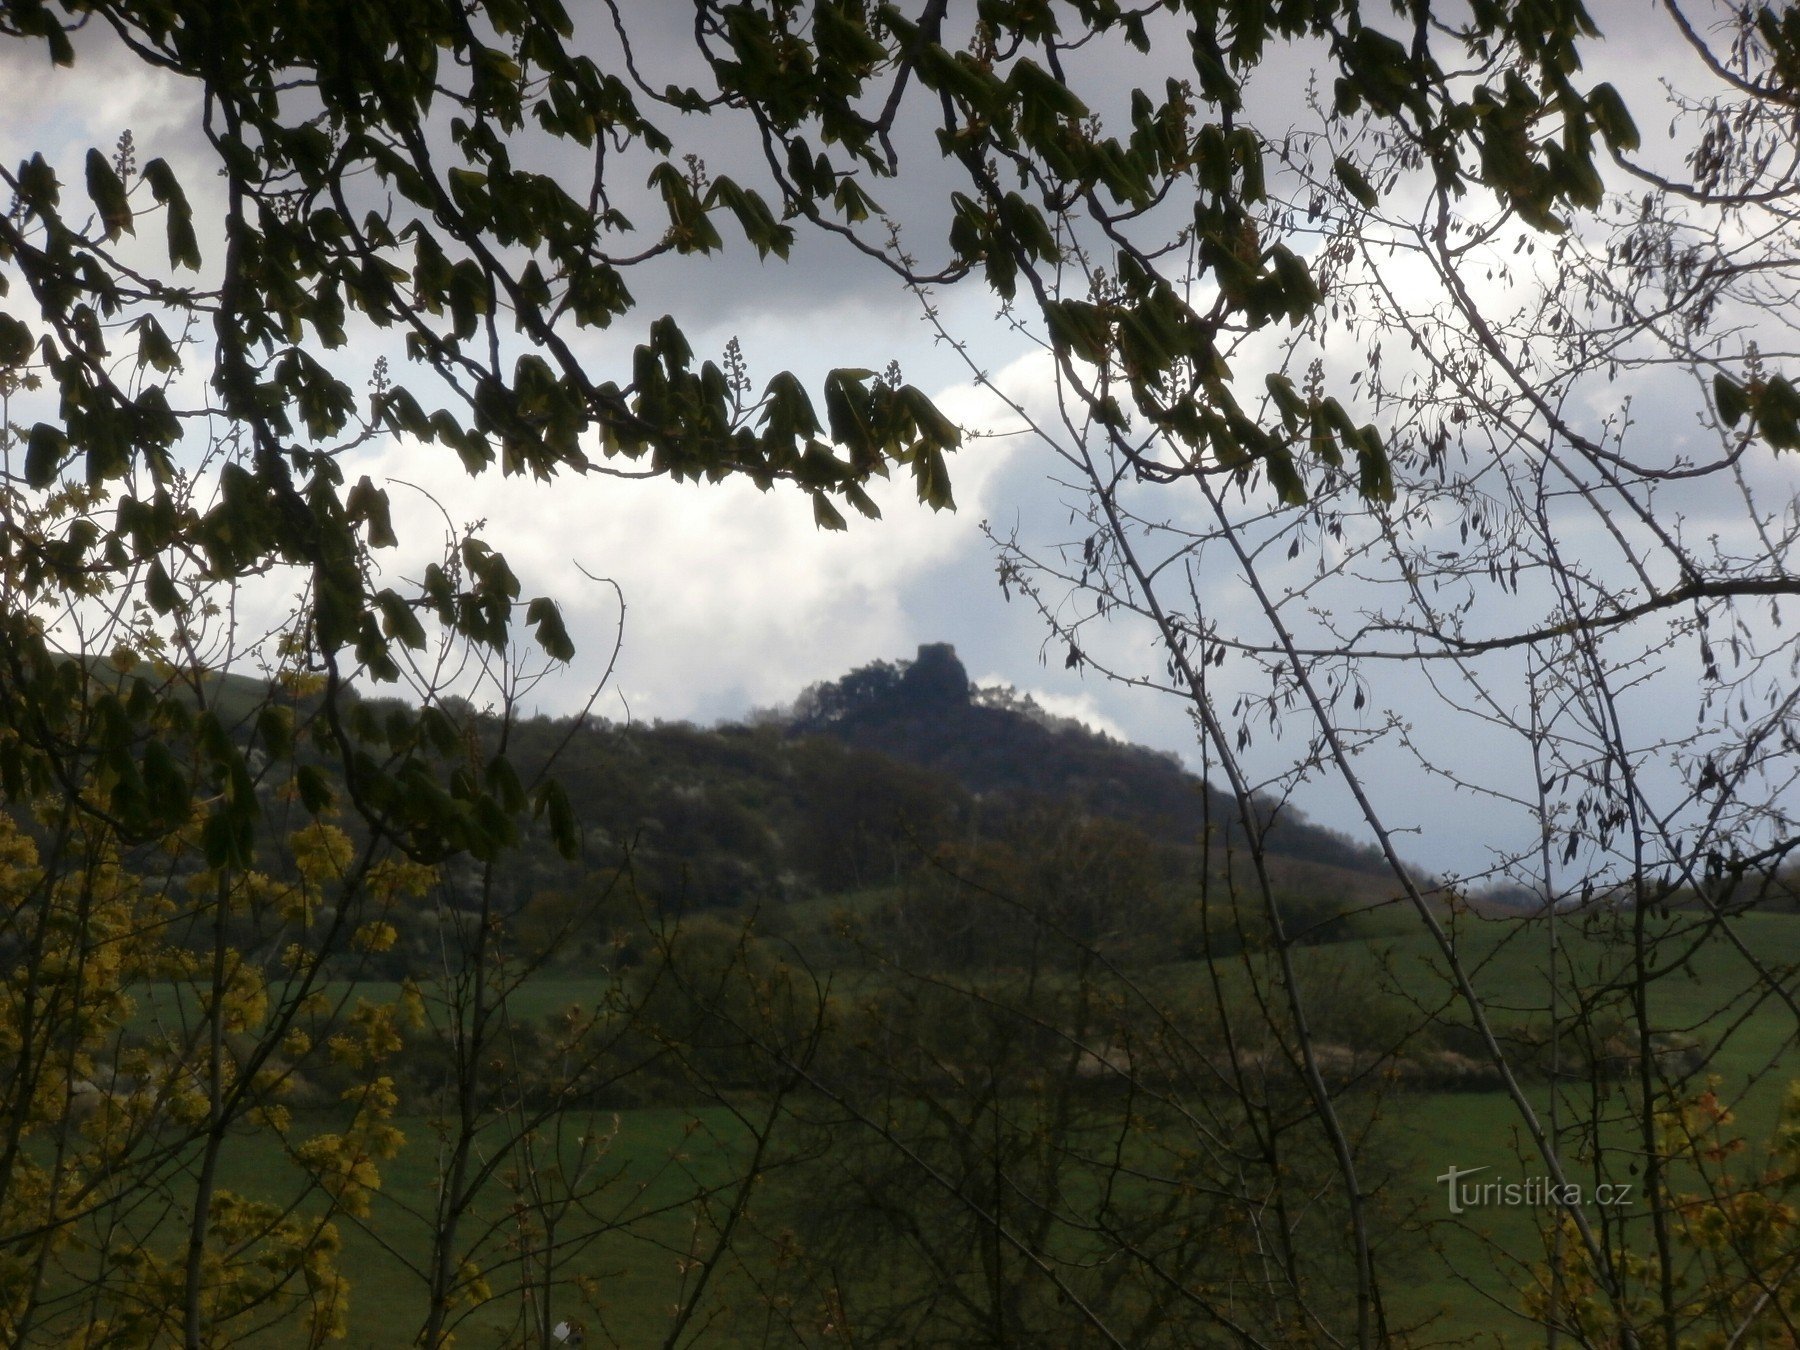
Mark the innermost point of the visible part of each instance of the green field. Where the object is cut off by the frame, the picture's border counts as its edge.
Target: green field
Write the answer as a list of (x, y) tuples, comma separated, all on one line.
[(1465, 1274), (659, 1157), (1749, 1042)]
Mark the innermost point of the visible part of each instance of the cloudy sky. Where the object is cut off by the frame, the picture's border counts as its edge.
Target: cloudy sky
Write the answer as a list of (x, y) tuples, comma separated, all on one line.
[(734, 600)]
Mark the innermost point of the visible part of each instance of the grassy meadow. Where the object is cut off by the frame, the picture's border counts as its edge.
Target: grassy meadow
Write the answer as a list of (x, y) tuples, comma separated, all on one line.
[(1461, 1280)]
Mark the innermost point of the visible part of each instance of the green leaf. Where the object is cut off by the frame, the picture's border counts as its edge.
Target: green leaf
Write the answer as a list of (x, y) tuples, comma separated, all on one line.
[(855, 204), (553, 802), (1030, 83), (760, 227), (44, 452), (369, 503), (846, 404), (1376, 474), (1298, 288), (957, 75), (1352, 179), (160, 590), (1287, 399), (845, 41), (503, 782), (1731, 398), (552, 636), (62, 51), (15, 341), (1778, 413), (108, 194), (275, 725), (154, 348), (1078, 328), (398, 620), (933, 479), (165, 783), (1285, 478), (825, 515), (38, 185), (440, 730), (225, 841), (934, 428), (1609, 114), (315, 789), (184, 246), (689, 229)]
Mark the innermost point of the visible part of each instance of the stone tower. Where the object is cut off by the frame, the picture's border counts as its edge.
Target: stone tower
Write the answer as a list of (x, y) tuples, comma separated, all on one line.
[(936, 678)]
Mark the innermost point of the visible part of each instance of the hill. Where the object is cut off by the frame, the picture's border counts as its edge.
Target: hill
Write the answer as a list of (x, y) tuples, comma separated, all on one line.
[(867, 779), (898, 777), (992, 741)]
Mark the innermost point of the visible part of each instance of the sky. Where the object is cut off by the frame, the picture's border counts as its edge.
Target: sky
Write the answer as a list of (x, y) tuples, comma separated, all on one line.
[(734, 600)]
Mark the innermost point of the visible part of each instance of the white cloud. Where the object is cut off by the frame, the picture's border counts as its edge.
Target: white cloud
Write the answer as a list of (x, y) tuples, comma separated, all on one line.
[(1084, 707), (734, 596)]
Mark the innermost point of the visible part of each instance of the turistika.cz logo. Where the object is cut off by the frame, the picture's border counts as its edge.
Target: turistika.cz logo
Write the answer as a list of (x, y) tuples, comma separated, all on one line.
[(1531, 1193)]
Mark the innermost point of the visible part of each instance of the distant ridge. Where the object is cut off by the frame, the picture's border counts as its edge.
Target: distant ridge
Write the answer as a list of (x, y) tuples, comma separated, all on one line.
[(927, 712)]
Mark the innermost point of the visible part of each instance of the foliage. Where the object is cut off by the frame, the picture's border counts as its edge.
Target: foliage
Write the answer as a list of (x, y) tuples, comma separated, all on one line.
[(432, 198), (1733, 1237), (1472, 563), (115, 1126), (1003, 752), (181, 412)]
